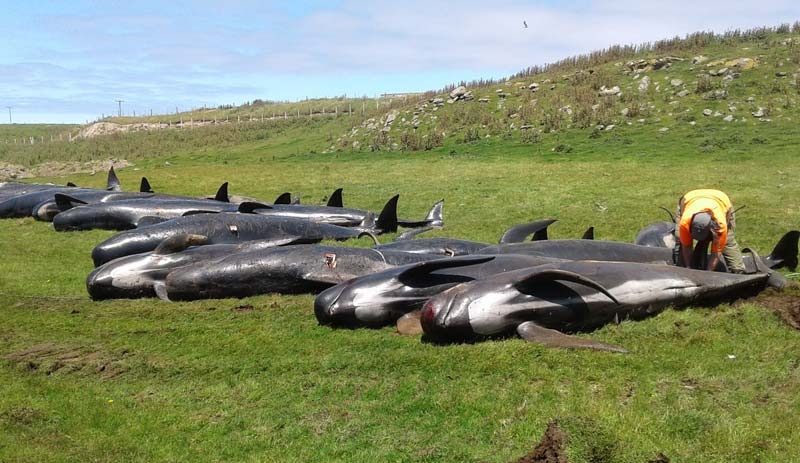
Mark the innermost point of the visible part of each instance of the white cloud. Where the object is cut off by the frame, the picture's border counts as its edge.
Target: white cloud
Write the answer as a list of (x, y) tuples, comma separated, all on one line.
[(242, 50)]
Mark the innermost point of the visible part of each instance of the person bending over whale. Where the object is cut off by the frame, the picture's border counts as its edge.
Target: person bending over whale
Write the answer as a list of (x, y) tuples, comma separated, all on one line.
[(707, 215)]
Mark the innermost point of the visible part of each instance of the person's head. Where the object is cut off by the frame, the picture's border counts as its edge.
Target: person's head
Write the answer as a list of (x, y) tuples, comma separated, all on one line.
[(701, 226)]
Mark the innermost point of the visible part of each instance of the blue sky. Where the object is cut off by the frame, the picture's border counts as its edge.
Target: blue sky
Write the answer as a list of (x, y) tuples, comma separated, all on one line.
[(68, 61)]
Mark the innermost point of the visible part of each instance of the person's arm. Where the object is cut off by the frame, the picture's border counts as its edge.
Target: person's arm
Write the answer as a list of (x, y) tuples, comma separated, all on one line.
[(713, 260), (686, 253)]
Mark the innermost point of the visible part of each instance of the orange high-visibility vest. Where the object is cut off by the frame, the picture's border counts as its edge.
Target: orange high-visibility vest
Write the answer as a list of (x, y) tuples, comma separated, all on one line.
[(715, 203)]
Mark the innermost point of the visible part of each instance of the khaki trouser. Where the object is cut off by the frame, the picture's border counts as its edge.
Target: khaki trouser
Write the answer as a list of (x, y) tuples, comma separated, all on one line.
[(731, 252)]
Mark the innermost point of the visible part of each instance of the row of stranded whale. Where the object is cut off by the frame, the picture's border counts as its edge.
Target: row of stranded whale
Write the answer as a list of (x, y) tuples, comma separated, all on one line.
[(183, 248)]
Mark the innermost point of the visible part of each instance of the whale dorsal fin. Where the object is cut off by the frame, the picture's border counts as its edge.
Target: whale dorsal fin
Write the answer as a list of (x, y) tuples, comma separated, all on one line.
[(112, 184), (387, 220), (222, 193), (144, 186), (283, 198), (336, 199)]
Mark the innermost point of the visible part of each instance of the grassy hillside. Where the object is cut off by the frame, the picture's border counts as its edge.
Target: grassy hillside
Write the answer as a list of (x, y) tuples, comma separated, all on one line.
[(258, 380)]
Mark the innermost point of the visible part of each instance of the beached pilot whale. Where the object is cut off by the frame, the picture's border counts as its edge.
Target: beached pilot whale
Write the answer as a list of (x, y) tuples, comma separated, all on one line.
[(544, 303), (218, 228), (289, 269), (23, 204), (380, 298), (140, 275)]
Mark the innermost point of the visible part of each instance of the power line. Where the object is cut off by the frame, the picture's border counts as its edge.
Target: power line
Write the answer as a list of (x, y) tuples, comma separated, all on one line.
[(119, 111), (9, 114)]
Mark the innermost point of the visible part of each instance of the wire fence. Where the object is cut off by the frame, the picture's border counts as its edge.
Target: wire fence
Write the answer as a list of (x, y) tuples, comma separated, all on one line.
[(355, 109)]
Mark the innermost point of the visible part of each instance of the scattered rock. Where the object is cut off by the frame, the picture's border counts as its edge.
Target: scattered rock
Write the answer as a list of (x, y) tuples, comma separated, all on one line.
[(390, 118), (742, 64), (624, 112), (483, 100), (609, 91), (728, 118), (458, 92), (716, 95), (652, 64), (676, 82), (610, 127), (759, 112), (781, 74), (534, 87), (682, 93), (699, 59), (644, 84), (664, 129), (707, 112)]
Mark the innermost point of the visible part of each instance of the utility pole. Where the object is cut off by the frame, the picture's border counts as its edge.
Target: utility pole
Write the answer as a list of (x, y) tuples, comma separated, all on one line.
[(9, 114), (119, 111)]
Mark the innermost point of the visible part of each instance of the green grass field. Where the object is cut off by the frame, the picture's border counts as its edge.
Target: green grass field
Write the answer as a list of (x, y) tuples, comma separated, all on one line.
[(258, 380)]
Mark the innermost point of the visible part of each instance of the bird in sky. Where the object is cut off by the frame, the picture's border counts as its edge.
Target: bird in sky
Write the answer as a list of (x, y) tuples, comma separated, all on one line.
[(525, 23)]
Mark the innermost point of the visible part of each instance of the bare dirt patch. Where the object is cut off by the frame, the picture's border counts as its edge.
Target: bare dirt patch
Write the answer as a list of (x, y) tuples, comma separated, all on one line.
[(783, 303), (51, 358), (550, 448)]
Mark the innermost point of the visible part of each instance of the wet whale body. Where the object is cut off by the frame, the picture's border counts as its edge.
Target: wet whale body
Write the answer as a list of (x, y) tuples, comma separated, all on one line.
[(217, 228), (288, 270), (381, 298), (11, 189), (334, 215), (784, 254), (126, 214), (25, 199), (458, 247), (543, 304), (140, 275), (387, 221), (393, 292), (59, 202)]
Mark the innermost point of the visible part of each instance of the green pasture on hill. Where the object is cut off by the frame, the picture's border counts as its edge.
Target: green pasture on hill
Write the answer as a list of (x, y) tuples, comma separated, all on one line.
[(258, 380)]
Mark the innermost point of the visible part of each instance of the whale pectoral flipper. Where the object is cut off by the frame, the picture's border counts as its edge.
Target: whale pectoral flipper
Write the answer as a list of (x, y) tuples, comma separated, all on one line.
[(161, 291), (537, 275), (178, 243), (409, 324), (532, 332)]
